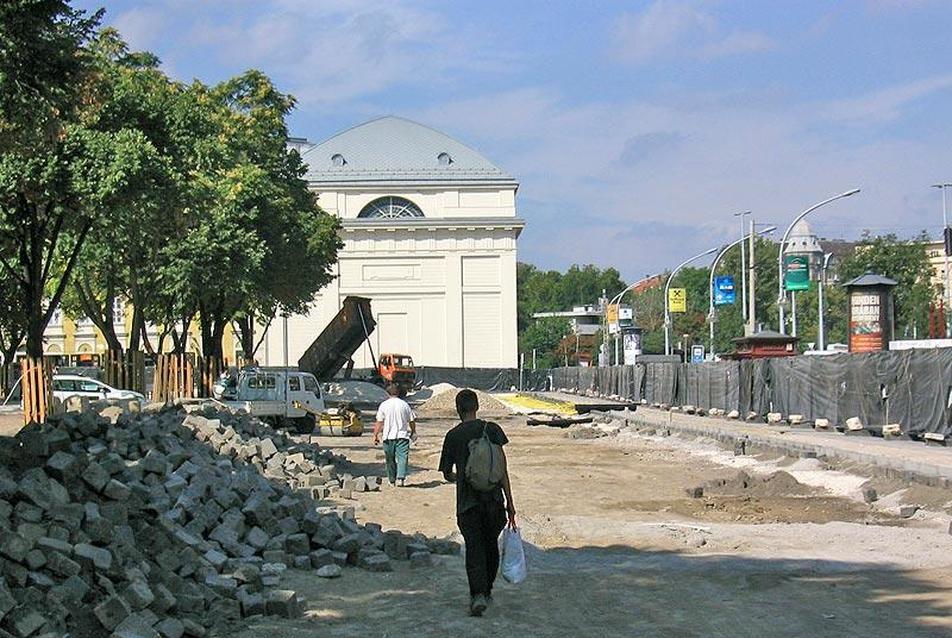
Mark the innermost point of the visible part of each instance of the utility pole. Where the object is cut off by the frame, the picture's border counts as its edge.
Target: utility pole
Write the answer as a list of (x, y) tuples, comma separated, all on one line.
[(752, 309), (743, 266), (821, 332), (947, 286)]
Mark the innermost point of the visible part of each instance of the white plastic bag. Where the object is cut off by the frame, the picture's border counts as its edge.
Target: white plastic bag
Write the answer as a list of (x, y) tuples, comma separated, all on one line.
[(513, 557)]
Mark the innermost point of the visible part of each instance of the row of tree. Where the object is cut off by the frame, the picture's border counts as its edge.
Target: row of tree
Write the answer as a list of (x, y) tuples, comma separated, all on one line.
[(181, 200), (904, 261)]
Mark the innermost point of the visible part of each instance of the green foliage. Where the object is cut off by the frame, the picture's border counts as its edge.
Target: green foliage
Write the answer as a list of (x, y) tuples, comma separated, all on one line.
[(59, 171), (544, 336), (182, 199), (907, 263), (253, 241), (649, 305), (552, 291)]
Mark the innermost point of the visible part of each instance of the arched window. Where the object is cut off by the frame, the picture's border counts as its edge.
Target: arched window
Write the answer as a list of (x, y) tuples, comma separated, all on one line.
[(390, 208)]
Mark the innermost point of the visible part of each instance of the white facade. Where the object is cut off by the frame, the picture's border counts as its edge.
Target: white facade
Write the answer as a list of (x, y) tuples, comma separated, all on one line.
[(440, 272)]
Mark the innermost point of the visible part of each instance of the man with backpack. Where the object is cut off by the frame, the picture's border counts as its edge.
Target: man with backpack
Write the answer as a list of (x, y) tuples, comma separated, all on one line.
[(473, 458)]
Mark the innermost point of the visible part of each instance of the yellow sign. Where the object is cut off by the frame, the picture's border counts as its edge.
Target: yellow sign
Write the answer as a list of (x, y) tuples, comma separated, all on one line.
[(611, 313), (677, 300)]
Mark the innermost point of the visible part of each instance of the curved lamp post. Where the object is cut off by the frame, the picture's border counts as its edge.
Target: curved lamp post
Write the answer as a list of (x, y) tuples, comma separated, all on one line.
[(783, 242), (710, 284), (667, 314), (617, 300)]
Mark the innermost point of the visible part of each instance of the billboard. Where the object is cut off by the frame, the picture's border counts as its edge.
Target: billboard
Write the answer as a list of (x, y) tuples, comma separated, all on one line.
[(866, 329), (724, 290), (796, 272), (677, 300), (631, 339)]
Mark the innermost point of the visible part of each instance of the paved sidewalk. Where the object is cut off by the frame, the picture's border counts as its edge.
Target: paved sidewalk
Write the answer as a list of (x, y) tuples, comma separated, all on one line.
[(911, 460)]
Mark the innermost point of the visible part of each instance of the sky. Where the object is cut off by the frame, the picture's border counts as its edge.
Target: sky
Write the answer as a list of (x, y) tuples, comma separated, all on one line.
[(636, 129)]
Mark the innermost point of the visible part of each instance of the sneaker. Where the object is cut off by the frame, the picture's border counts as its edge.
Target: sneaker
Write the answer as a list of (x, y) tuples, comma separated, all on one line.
[(392, 483), (401, 483), (478, 605)]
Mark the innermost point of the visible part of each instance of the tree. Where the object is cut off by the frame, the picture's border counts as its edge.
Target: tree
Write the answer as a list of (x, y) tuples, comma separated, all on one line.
[(57, 172), (550, 290), (544, 336), (904, 261), (116, 262), (253, 240)]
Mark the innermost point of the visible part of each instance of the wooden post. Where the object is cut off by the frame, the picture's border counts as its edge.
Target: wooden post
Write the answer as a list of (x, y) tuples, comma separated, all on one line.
[(37, 388)]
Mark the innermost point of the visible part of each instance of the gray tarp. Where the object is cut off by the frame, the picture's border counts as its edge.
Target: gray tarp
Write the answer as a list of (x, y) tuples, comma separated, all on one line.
[(909, 387)]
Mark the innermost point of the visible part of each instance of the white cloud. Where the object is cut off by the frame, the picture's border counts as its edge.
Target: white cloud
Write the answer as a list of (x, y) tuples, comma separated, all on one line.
[(637, 183), (669, 28), (886, 104), (332, 54)]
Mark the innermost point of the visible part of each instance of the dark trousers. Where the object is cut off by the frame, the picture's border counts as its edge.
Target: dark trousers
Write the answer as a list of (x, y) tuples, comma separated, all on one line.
[(481, 526)]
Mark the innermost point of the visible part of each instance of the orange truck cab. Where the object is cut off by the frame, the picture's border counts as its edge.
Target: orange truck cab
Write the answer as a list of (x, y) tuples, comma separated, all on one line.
[(397, 368)]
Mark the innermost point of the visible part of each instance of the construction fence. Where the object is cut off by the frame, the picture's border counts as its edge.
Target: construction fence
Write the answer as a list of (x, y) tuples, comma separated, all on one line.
[(910, 387)]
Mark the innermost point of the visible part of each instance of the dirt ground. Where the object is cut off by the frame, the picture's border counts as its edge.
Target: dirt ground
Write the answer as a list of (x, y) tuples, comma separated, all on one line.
[(617, 547)]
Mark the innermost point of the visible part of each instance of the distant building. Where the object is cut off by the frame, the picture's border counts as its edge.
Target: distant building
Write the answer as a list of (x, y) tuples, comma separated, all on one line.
[(429, 228), (935, 251), (583, 320)]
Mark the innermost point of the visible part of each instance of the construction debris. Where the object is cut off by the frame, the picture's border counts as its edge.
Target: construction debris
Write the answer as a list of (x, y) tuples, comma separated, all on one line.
[(171, 522)]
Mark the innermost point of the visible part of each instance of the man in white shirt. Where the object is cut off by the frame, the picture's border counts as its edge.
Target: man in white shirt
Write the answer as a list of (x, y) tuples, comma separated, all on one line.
[(397, 422)]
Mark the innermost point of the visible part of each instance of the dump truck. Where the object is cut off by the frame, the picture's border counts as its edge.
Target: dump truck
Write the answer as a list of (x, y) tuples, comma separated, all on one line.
[(334, 348), (396, 368), (292, 397)]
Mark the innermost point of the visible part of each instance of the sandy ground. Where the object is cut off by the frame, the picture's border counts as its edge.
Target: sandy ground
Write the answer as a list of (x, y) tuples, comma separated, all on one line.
[(617, 548)]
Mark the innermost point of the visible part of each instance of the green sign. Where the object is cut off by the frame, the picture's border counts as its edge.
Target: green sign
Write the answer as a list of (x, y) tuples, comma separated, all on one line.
[(796, 272)]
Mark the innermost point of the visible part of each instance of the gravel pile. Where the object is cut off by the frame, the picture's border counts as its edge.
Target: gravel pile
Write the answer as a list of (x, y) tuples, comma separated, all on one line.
[(178, 521), (443, 405), (362, 392)]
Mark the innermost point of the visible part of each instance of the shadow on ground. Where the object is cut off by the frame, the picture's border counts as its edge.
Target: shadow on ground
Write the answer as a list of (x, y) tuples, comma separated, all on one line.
[(620, 591)]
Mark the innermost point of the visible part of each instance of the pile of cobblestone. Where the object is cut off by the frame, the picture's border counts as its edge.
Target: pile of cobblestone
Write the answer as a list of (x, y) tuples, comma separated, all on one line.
[(170, 522)]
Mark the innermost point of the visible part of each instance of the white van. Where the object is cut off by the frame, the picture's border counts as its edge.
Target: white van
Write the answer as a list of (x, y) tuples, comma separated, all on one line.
[(276, 393)]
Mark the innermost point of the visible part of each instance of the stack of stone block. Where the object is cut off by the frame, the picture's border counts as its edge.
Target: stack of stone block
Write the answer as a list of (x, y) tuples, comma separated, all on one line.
[(165, 524)]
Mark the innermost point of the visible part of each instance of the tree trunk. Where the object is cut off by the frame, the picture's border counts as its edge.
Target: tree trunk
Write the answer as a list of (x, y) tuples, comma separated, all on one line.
[(135, 329), (246, 330)]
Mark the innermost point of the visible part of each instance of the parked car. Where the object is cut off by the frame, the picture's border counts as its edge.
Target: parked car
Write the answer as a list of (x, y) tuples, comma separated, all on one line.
[(74, 385)]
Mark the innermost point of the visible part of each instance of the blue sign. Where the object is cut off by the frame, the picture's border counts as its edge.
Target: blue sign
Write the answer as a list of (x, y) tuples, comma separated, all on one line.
[(724, 290)]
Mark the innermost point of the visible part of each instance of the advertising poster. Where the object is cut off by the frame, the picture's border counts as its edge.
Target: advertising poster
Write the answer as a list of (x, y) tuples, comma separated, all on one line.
[(866, 331), (677, 300), (631, 341), (796, 272), (724, 290)]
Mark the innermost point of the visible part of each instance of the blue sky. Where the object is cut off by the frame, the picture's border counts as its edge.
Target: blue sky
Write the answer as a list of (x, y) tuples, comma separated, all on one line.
[(636, 129)]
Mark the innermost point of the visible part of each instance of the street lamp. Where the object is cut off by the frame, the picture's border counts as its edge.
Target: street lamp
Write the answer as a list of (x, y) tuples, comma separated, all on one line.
[(783, 241), (667, 314), (945, 224), (710, 284)]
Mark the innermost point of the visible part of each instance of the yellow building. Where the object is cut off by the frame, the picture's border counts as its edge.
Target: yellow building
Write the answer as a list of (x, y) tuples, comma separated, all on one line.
[(80, 342), (936, 252)]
